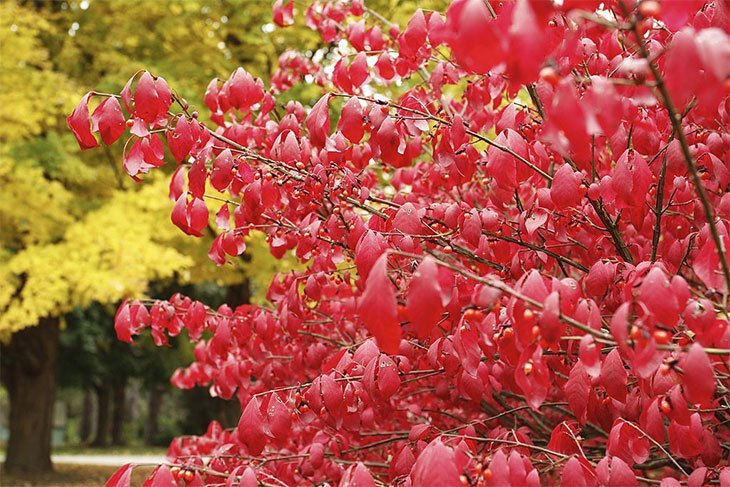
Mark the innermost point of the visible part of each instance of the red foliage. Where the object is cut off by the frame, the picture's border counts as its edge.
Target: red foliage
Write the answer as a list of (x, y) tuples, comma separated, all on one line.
[(516, 268)]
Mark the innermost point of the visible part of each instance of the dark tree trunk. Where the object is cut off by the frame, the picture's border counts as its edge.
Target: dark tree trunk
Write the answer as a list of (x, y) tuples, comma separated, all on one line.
[(238, 294), (118, 407), (29, 374), (154, 406), (87, 409), (103, 395)]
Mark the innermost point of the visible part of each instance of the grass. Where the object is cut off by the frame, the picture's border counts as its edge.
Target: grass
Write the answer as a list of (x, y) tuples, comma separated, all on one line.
[(69, 475)]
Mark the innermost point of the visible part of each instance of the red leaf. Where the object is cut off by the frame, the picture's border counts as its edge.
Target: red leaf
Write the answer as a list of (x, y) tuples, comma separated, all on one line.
[(368, 250), (621, 474), (614, 376), (573, 473), (590, 355), (216, 252), (359, 71), (357, 476), (533, 377), (551, 328), (283, 15), (223, 217), (279, 418), (659, 297), (577, 390), (471, 228), (248, 479), (243, 90), (378, 308), (524, 27), (123, 324), (180, 139), (424, 298), (152, 98), (221, 174), (80, 124), (197, 176), (699, 376), (564, 190), (318, 122), (286, 148), (468, 20), (177, 183), (599, 278), (408, 220), (197, 216), (108, 120), (415, 33), (122, 477), (233, 243), (436, 465), (351, 122), (384, 67), (682, 57), (190, 217), (162, 477), (627, 443), (251, 428), (707, 265)]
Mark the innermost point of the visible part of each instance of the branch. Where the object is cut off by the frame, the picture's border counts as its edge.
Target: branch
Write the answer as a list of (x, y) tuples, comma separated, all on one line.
[(676, 118)]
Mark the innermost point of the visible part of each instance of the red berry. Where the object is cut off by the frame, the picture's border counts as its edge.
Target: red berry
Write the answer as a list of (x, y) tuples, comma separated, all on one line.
[(550, 75), (650, 8), (661, 336)]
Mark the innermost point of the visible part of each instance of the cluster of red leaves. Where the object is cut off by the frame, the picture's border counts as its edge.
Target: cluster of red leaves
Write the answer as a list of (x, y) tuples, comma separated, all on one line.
[(516, 264)]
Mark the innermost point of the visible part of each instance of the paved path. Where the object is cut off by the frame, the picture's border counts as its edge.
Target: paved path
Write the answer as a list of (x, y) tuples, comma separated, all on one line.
[(107, 460)]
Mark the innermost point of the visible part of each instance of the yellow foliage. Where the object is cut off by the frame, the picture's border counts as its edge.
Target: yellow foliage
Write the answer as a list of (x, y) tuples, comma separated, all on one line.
[(112, 254), (32, 96), (74, 229)]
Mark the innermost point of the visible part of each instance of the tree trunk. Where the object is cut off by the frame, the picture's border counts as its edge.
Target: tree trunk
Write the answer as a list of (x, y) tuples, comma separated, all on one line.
[(86, 412), (103, 395), (119, 405), (238, 294), (154, 405), (28, 369)]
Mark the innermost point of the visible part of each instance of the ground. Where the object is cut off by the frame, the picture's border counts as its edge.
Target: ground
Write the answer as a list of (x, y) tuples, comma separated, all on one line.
[(84, 467), (72, 475)]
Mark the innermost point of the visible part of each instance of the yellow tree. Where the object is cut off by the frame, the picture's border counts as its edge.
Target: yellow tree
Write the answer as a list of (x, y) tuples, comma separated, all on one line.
[(67, 237)]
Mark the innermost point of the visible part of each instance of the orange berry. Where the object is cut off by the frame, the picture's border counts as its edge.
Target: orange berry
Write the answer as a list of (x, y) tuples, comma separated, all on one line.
[(635, 332), (550, 75), (661, 336), (650, 8), (528, 368), (188, 475), (665, 406), (528, 315)]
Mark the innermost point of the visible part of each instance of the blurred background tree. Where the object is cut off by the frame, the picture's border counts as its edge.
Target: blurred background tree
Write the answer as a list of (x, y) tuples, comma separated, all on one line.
[(66, 255)]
